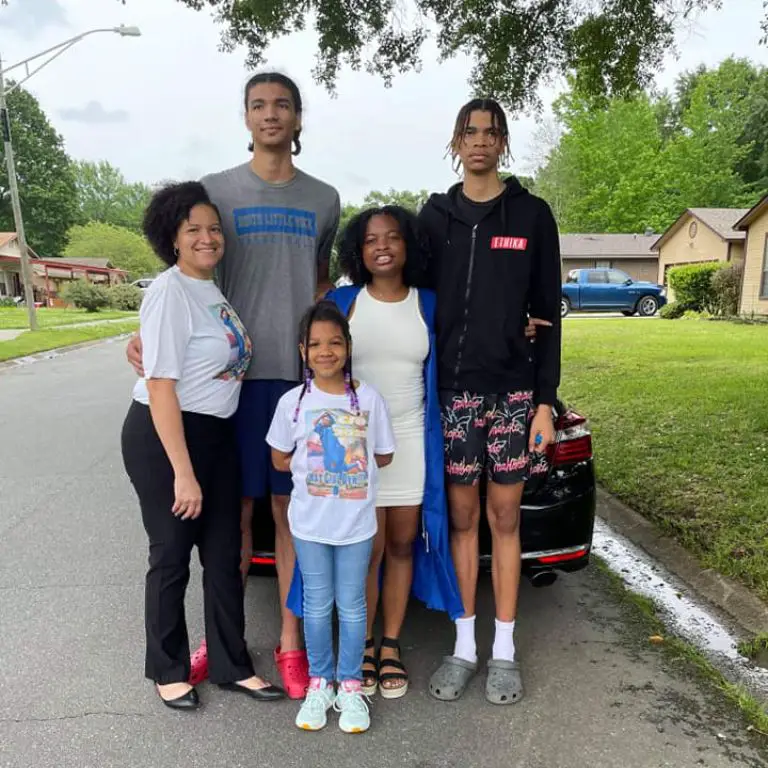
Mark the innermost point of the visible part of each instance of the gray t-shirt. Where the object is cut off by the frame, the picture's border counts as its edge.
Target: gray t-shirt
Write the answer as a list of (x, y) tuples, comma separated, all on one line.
[(276, 235)]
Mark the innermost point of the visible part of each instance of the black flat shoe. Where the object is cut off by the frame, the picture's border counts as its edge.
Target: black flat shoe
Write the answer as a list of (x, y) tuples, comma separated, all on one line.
[(268, 693), (189, 701)]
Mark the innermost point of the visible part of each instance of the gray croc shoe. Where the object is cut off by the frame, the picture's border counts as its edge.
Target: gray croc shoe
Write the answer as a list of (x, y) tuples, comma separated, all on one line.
[(504, 684), (451, 678)]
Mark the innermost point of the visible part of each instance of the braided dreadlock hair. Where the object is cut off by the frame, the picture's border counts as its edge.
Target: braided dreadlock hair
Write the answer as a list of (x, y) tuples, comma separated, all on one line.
[(499, 121), (326, 312)]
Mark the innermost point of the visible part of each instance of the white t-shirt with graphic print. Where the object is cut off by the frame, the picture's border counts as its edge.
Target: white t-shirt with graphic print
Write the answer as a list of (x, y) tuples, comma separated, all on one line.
[(191, 334), (333, 465)]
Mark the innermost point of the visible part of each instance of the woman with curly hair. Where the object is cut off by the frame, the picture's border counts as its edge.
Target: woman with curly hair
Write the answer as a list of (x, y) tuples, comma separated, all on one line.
[(180, 450), (392, 325)]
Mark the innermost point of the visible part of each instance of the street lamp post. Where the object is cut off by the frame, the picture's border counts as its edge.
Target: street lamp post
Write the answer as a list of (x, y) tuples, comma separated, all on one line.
[(5, 127)]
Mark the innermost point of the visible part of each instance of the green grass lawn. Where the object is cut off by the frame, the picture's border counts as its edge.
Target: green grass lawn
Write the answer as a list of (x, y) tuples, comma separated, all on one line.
[(12, 317), (679, 411), (31, 342)]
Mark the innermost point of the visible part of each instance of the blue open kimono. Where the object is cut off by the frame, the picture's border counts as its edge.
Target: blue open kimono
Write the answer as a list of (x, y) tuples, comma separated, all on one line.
[(434, 578)]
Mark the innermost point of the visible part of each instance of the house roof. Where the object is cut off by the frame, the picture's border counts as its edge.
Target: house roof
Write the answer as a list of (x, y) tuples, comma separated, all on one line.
[(66, 264), (722, 221), (89, 262), (615, 245), (756, 210), (9, 237)]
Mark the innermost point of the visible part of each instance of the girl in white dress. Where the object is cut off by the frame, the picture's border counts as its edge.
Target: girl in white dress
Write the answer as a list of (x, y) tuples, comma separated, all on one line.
[(392, 325)]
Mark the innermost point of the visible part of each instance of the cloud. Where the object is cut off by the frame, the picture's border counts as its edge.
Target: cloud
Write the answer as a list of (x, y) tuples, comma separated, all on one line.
[(93, 113), (30, 17)]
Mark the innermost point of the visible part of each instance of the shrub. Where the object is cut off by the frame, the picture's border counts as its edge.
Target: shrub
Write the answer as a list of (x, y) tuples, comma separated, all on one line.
[(87, 296), (726, 287), (692, 285), (7, 301), (125, 297), (672, 311)]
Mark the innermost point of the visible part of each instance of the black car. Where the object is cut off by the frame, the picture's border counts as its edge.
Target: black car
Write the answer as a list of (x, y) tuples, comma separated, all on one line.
[(558, 511)]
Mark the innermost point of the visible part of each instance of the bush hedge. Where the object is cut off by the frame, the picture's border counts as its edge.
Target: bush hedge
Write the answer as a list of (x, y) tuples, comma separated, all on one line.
[(692, 285), (125, 297), (87, 296)]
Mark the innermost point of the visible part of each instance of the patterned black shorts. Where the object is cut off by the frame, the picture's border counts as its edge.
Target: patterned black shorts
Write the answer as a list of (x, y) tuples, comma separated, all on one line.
[(488, 433)]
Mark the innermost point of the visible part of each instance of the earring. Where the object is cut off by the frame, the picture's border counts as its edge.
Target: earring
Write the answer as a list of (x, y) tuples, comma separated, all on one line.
[(176, 252), (307, 379)]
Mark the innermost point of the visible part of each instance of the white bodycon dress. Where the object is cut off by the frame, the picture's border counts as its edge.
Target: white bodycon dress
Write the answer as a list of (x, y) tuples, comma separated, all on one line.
[(390, 343)]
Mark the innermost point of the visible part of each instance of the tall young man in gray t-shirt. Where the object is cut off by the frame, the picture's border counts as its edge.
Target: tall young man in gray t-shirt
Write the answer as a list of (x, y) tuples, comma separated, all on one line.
[(279, 224)]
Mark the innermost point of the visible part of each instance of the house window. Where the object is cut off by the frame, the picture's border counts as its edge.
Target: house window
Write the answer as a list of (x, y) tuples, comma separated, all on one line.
[(603, 264), (764, 275)]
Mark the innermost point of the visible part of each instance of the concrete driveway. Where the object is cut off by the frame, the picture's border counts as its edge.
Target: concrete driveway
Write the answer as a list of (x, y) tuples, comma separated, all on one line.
[(72, 559)]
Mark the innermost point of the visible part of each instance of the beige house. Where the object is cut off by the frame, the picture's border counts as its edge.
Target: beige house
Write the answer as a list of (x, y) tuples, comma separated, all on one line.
[(754, 285), (50, 275), (632, 254), (701, 235)]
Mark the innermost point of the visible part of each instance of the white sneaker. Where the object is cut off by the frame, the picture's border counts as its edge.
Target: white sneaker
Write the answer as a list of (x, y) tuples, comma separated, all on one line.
[(353, 707), (319, 699)]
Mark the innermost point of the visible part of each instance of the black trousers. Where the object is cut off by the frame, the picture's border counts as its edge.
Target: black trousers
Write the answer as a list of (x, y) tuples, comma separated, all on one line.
[(213, 451)]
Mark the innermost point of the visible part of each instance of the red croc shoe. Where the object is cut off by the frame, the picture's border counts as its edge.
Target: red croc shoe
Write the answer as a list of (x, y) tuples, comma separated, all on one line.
[(198, 665), (293, 667)]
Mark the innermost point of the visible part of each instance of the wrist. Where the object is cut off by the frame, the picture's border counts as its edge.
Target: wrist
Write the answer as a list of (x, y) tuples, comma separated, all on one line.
[(544, 409), (184, 473)]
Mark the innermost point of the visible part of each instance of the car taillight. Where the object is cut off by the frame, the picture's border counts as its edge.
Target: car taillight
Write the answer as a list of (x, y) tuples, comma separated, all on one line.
[(573, 442)]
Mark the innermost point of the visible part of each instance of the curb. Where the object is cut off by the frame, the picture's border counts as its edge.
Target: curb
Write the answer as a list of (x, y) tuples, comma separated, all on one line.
[(747, 610), (18, 362)]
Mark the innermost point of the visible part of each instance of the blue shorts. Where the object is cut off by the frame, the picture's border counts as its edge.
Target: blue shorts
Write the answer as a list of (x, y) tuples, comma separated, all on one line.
[(258, 401)]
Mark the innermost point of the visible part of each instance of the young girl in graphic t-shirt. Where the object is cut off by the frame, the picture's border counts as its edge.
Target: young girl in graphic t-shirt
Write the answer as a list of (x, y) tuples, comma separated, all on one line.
[(333, 433)]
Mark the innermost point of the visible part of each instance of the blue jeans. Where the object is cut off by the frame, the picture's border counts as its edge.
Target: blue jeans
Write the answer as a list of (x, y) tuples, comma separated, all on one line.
[(334, 574)]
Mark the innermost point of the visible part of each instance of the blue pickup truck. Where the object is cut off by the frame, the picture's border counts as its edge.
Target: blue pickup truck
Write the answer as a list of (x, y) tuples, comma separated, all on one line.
[(610, 290)]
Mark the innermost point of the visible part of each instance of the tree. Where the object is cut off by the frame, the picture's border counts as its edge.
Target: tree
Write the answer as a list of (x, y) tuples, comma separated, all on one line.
[(45, 176), (615, 46), (405, 199), (601, 177), (124, 248), (104, 195), (629, 164), (700, 163)]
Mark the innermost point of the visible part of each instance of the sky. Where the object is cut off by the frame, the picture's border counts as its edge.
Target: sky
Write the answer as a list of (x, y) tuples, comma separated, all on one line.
[(168, 105)]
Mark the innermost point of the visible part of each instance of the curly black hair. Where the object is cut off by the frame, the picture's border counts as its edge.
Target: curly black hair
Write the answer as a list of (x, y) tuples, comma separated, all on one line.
[(353, 237), (168, 209)]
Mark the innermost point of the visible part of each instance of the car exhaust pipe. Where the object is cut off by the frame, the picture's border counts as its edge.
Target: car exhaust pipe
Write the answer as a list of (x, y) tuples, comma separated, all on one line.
[(543, 578)]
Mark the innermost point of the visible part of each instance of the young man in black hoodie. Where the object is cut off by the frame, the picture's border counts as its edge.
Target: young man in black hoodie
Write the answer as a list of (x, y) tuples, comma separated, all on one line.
[(495, 261)]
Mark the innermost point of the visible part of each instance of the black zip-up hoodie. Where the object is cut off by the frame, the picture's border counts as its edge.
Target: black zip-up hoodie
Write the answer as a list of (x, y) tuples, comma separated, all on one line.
[(489, 278)]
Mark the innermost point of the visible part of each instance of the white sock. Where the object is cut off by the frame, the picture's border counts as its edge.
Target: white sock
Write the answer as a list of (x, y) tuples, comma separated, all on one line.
[(504, 641), (465, 640)]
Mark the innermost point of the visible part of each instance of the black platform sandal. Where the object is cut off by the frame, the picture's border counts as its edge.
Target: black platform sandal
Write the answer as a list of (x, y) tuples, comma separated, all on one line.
[(394, 692), (370, 677)]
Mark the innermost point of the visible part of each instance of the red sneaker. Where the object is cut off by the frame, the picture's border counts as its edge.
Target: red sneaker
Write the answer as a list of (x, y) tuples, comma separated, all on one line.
[(293, 667), (198, 665)]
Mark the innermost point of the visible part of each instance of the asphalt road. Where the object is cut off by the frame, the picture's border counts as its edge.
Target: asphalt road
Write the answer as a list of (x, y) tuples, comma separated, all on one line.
[(72, 557)]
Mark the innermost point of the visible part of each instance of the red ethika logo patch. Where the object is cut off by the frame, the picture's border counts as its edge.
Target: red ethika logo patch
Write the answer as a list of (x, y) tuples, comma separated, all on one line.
[(509, 243)]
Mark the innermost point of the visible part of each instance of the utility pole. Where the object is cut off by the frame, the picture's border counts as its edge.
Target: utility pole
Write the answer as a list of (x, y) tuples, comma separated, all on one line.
[(26, 268), (5, 127)]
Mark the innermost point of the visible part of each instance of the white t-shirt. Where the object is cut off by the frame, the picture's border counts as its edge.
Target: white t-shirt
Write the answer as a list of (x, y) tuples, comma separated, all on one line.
[(333, 466), (191, 334)]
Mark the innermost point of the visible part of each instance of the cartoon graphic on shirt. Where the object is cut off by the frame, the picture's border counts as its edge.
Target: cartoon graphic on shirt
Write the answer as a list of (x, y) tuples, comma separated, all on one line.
[(337, 454), (240, 348)]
